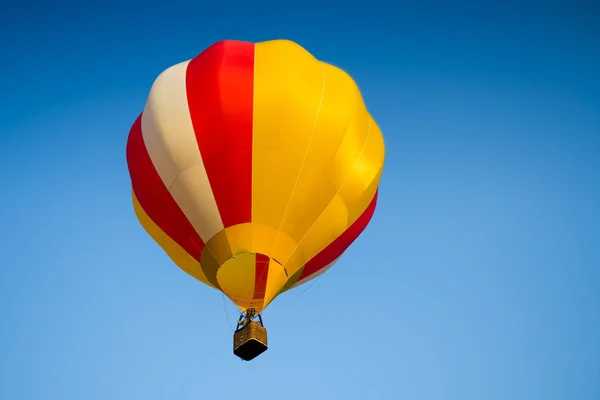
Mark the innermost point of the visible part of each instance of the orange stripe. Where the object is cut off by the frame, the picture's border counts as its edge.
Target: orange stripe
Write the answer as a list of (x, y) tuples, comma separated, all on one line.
[(154, 197), (220, 85), (260, 275), (339, 245)]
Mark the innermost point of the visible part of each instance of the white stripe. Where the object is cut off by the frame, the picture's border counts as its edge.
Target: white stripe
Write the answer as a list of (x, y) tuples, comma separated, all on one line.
[(171, 142), (316, 274)]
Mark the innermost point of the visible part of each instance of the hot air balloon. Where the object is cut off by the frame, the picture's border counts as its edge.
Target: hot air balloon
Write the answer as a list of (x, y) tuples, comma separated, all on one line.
[(254, 166)]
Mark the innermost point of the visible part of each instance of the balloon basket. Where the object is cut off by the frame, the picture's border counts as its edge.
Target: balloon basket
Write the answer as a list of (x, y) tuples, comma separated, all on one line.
[(250, 338)]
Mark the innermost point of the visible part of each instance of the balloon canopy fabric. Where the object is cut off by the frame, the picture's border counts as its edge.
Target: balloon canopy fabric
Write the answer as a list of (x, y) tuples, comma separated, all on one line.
[(254, 166)]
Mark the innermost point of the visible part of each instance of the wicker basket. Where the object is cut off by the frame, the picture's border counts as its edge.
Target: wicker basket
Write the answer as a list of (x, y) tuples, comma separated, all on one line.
[(250, 341)]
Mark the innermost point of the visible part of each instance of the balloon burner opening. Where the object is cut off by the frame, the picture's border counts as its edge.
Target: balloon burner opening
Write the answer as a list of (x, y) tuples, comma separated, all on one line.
[(250, 336)]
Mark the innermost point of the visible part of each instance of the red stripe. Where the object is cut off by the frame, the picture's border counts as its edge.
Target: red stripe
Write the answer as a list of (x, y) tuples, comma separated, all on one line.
[(155, 198), (220, 85), (261, 273), (339, 245)]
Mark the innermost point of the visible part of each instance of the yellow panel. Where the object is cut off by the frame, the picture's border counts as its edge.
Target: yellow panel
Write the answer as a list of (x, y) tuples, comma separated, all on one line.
[(317, 155), (331, 224), (288, 88), (240, 238), (335, 133), (275, 282), (214, 254), (236, 276), (352, 199), (263, 237), (179, 256)]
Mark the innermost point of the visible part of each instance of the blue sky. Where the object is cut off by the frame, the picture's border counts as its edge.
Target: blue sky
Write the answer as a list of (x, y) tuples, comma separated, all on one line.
[(478, 277)]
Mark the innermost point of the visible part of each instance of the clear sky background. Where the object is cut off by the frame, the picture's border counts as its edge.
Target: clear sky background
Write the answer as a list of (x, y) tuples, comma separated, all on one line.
[(478, 278)]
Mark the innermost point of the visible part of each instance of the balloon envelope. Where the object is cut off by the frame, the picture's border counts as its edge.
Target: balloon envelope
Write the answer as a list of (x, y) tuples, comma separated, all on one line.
[(254, 166)]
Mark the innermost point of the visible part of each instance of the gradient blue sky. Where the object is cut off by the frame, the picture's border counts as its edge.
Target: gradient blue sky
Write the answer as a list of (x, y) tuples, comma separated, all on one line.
[(478, 278)]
